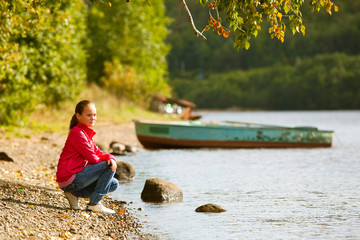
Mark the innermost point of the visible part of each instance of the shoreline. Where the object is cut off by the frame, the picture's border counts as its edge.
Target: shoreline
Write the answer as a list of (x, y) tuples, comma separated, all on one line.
[(33, 207)]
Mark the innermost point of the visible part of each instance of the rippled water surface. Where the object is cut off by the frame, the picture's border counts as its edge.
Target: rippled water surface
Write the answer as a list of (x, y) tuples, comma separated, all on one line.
[(268, 193)]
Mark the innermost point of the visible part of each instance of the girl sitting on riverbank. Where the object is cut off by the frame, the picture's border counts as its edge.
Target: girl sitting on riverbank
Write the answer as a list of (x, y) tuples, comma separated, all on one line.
[(83, 170)]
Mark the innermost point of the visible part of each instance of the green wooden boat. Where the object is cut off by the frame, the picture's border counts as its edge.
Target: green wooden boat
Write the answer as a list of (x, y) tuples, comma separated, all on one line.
[(197, 134)]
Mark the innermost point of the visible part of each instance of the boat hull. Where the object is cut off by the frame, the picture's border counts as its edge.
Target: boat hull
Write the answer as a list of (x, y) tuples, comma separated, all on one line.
[(189, 135), (158, 142)]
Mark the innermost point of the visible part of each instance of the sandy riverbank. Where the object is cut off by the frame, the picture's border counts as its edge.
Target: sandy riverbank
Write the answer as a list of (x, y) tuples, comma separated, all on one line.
[(32, 206)]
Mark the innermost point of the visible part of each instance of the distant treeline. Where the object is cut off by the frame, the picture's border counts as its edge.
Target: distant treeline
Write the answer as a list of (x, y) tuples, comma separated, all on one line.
[(328, 81), (324, 34), (315, 71)]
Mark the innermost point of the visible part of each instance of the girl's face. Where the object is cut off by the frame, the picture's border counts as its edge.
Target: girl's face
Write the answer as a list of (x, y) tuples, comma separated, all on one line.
[(88, 116)]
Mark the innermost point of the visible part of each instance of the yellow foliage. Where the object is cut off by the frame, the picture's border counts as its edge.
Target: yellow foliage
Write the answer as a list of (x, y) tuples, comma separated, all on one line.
[(121, 80)]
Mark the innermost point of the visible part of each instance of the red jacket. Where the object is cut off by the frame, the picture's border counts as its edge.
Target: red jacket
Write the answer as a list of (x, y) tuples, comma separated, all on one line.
[(79, 151)]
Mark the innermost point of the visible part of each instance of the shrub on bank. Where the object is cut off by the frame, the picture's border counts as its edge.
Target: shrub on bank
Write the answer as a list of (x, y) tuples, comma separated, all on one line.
[(42, 57)]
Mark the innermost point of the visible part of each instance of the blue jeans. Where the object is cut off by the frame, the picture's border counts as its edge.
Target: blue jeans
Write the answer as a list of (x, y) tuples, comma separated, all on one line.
[(94, 182)]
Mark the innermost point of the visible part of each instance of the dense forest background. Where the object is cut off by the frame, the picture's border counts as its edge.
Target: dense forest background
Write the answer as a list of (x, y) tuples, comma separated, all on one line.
[(320, 70), (50, 50)]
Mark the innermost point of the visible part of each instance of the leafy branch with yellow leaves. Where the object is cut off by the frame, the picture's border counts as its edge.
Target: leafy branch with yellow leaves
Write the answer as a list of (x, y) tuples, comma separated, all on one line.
[(245, 17)]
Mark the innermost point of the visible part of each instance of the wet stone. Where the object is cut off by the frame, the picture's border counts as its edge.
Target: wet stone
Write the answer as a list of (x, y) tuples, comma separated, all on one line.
[(158, 190), (125, 172), (210, 208)]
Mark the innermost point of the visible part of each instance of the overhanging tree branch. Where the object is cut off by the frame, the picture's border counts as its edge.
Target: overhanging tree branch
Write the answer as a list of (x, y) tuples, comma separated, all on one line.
[(197, 32)]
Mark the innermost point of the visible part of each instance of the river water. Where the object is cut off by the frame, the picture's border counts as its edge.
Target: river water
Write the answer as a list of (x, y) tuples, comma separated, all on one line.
[(268, 193)]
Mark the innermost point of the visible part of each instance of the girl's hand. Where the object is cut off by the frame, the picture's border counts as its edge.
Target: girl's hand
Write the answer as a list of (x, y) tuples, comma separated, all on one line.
[(113, 164)]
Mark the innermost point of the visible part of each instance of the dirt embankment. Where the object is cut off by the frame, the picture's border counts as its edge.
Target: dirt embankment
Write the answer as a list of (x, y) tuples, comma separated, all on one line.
[(33, 207)]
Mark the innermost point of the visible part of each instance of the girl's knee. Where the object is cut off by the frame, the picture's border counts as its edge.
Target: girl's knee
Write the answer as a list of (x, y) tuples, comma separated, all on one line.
[(114, 185)]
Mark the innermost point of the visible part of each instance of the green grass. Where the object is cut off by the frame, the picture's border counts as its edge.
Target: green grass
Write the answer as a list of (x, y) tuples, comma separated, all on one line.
[(50, 119)]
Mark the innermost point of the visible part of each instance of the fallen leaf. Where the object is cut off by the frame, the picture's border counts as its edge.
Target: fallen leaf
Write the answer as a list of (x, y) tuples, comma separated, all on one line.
[(122, 211)]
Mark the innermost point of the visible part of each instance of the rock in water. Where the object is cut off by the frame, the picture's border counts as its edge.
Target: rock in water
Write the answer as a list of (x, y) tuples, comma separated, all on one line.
[(158, 190), (117, 148), (210, 208), (131, 149), (125, 172), (5, 157)]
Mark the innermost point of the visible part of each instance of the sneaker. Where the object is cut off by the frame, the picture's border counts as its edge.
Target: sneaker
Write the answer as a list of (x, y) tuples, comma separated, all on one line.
[(73, 201), (100, 208)]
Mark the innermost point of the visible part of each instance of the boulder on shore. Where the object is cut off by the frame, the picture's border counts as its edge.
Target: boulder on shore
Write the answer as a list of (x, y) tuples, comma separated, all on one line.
[(158, 190), (125, 172), (210, 208), (118, 148), (5, 157)]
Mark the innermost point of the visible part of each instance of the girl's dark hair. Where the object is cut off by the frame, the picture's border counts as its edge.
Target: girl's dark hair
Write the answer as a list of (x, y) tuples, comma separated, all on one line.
[(79, 109)]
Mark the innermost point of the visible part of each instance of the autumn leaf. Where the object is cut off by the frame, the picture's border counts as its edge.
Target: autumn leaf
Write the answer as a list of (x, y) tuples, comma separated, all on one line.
[(226, 34), (220, 31), (328, 7), (212, 21), (121, 211), (66, 235), (19, 173), (63, 216), (212, 5), (302, 29), (206, 28)]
